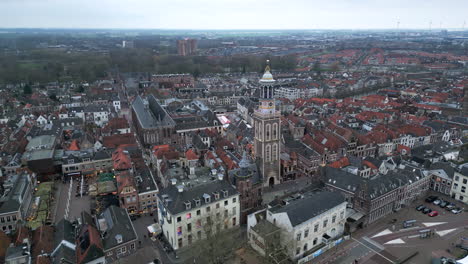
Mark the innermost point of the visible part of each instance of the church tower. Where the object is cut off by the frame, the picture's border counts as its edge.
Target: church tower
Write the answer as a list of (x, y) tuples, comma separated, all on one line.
[(267, 132)]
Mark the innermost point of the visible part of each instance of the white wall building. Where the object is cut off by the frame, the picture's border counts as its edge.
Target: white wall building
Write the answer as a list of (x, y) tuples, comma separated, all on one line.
[(308, 223), (187, 214), (460, 185)]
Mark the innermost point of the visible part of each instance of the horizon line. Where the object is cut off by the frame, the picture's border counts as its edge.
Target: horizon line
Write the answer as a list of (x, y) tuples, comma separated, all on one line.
[(242, 29)]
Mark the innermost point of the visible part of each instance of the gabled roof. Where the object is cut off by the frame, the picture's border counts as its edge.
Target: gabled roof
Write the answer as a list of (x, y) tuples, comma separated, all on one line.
[(302, 210), (118, 224)]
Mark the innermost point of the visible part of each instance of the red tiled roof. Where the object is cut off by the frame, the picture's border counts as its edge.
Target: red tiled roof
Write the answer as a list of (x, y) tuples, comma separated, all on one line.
[(343, 162), (114, 141), (401, 148), (121, 160), (74, 145), (191, 155)]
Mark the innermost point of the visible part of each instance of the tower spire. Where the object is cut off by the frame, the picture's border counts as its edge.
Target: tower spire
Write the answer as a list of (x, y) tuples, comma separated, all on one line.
[(267, 68)]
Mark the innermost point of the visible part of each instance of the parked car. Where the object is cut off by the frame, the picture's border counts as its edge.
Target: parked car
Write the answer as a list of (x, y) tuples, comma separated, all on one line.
[(443, 204), (437, 202), (420, 207), (450, 206), (433, 213), (427, 210), (457, 210), (431, 199)]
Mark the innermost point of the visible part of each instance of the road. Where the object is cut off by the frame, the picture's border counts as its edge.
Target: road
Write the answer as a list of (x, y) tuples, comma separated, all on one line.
[(383, 242)]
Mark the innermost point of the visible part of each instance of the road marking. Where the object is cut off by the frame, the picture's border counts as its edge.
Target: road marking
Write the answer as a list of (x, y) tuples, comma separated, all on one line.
[(433, 224), (374, 243), (396, 241), (383, 233), (389, 260), (445, 232)]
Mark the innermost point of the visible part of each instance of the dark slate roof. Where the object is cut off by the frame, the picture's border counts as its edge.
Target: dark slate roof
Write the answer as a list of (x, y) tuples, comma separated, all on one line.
[(10, 202), (342, 179), (118, 223), (445, 166), (177, 201), (153, 115), (64, 255), (64, 230), (145, 181), (301, 210)]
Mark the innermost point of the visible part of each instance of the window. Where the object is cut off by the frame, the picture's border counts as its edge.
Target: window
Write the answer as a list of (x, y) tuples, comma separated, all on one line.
[(208, 209), (188, 215), (179, 242), (333, 219), (189, 227), (226, 213), (226, 203), (234, 210), (14, 218), (315, 242), (298, 251), (305, 247), (233, 221), (217, 206), (298, 237), (457, 178), (199, 234), (218, 215), (197, 202), (463, 190), (198, 212), (189, 239), (2, 219), (188, 205), (465, 181), (306, 233), (234, 199), (179, 230), (198, 223), (8, 218), (316, 226), (179, 219), (132, 246)]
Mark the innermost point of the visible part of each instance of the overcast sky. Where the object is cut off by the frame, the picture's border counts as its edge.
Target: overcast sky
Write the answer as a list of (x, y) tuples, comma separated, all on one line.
[(234, 14)]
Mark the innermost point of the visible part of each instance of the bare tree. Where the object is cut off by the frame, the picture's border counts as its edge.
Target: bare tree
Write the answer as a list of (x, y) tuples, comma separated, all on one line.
[(219, 239)]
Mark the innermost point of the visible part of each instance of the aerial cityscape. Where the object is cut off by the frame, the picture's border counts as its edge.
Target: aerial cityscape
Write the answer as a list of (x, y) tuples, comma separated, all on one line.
[(233, 132)]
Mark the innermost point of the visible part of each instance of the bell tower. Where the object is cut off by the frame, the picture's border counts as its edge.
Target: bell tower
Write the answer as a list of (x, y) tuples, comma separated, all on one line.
[(267, 132)]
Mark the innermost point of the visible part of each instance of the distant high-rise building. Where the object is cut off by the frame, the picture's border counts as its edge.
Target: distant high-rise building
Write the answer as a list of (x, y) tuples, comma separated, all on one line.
[(186, 46), (267, 132), (128, 44)]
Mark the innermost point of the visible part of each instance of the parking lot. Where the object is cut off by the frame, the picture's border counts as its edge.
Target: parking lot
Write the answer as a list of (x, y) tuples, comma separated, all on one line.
[(441, 233)]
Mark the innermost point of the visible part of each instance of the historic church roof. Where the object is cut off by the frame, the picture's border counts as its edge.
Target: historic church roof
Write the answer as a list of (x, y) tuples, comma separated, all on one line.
[(267, 76)]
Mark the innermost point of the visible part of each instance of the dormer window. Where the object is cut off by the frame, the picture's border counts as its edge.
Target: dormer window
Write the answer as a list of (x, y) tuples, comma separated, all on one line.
[(207, 198), (216, 195), (71, 161), (225, 193), (197, 202), (188, 205), (118, 238)]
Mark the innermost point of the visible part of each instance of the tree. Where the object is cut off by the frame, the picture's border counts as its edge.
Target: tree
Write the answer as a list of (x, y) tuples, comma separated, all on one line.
[(335, 67), (27, 89), (53, 97), (80, 89), (218, 243)]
